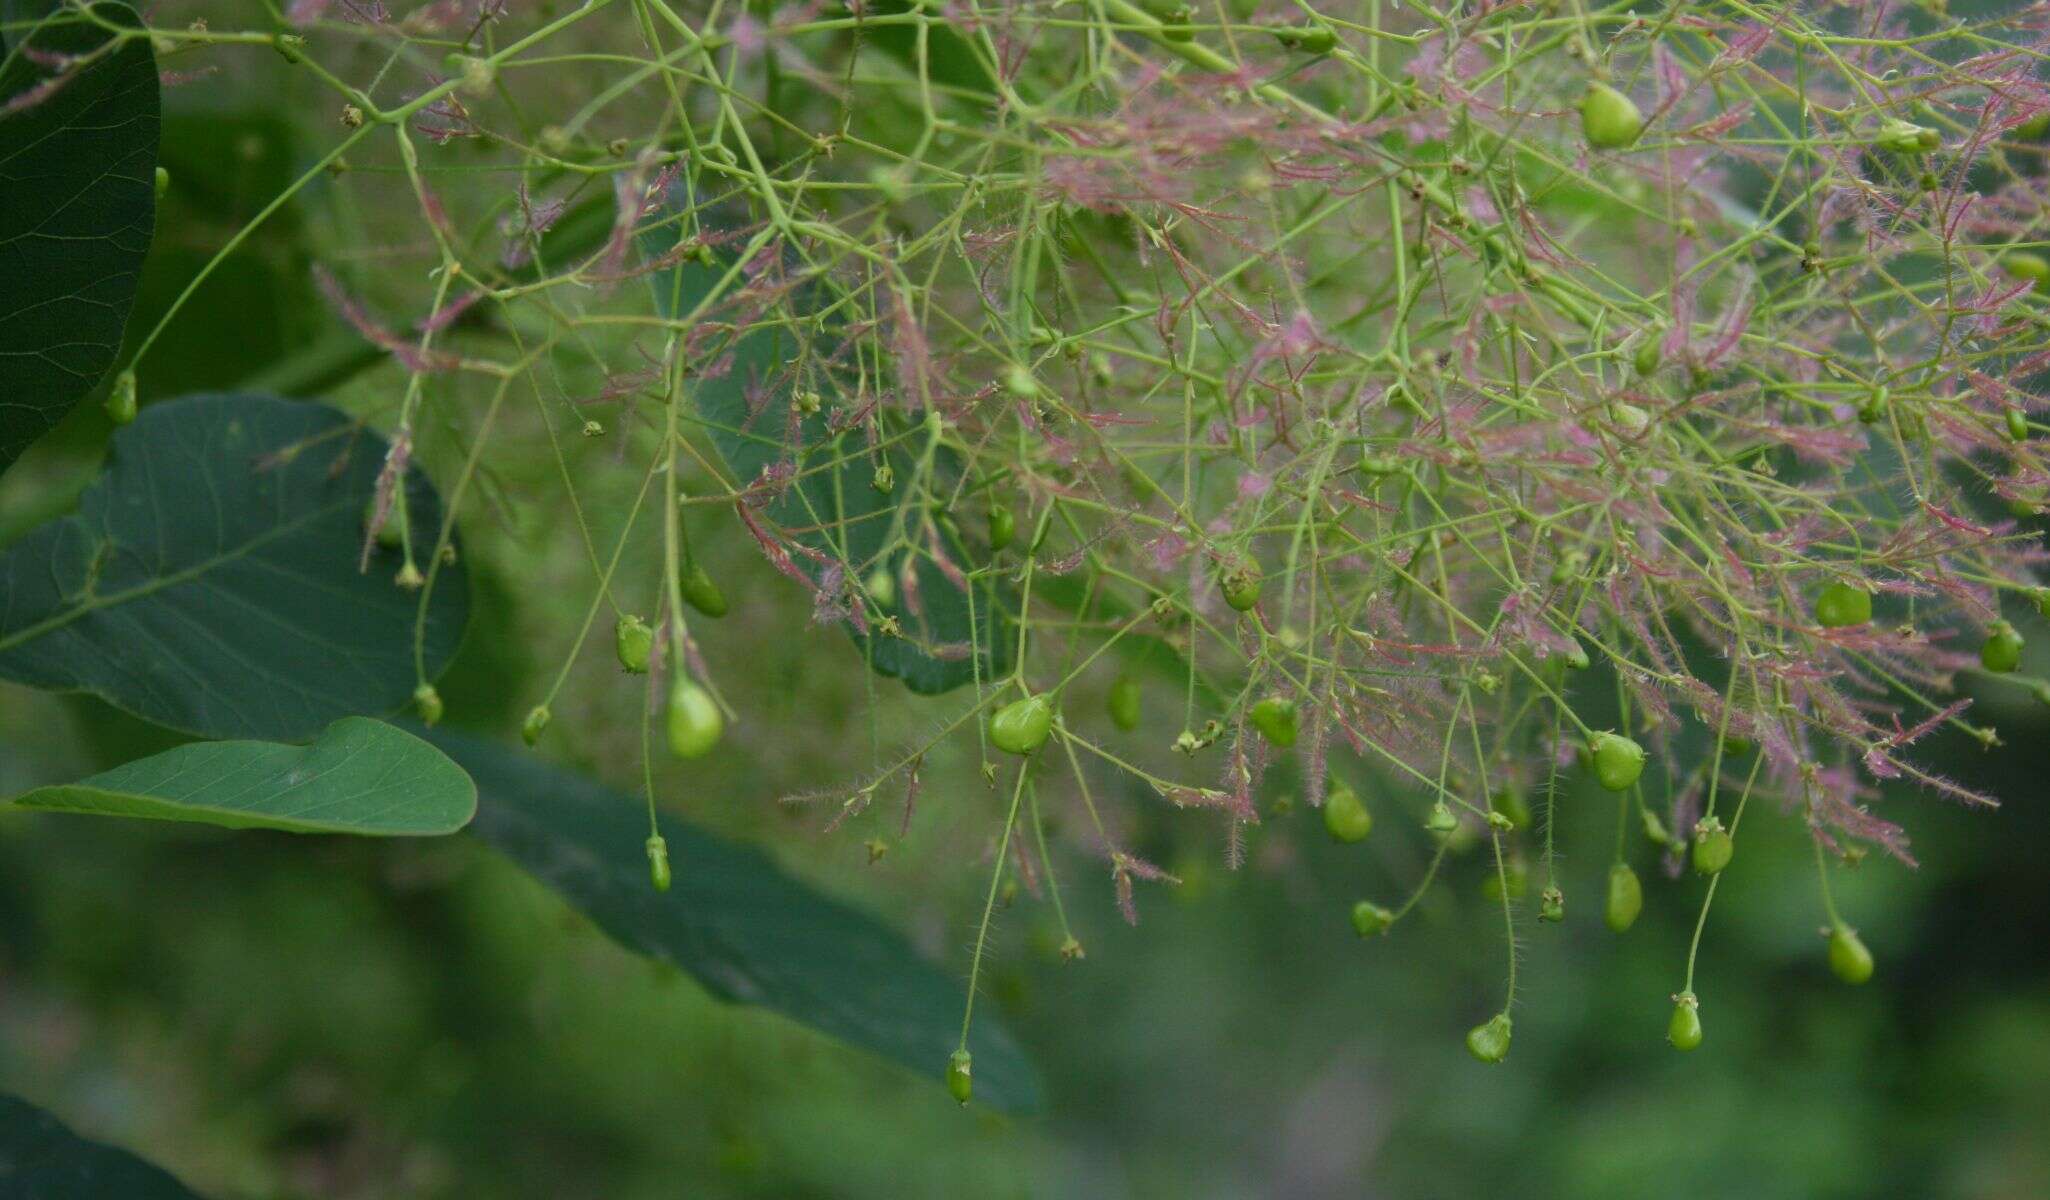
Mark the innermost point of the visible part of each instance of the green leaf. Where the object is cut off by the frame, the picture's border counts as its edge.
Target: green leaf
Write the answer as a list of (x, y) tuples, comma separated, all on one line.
[(209, 580), (361, 776), (78, 156), (951, 59), (745, 930), (42, 1160), (831, 506)]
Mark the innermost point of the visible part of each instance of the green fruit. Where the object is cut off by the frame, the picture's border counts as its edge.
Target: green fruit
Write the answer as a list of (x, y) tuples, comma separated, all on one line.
[(658, 862), (1684, 1030), (428, 702), (1241, 586), (1275, 718), (881, 586), (1839, 606), (1489, 1041), (1124, 703), (1345, 818), (1308, 39), (2025, 265), (1552, 905), (1625, 900), (2003, 649), (1618, 760), (694, 722), (1713, 847), (1511, 804), (701, 593), (1021, 726), (1609, 118), (537, 720), (1441, 819), (635, 643), (1369, 918), (960, 1084), (1646, 360), (121, 400), (1848, 957), (1003, 528), (1907, 138)]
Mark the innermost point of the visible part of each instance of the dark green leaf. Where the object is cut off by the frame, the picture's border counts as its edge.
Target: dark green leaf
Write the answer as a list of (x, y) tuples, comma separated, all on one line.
[(209, 580), (78, 156), (361, 776), (950, 58), (733, 920), (832, 507), (42, 1160)]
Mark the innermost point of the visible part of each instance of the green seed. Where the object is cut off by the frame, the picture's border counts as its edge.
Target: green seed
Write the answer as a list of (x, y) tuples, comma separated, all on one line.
[(1839, 606), (121, 400), (1648, 353), (1369, 918), (1618, 760), (960, 1084), (635, 643), (1907, 138), (428, 702), (701, 593), (1345, 818), (1609, 118), (1124, 703), (2023, 264), (2003, 649), (1713, 847), (1241, 586), (1625, 900), (658, 862), (2017, 425), (1489, 1041), (537, 720), (882, 587), (693, 720), (1684, 1030), (1848, 957), (1552, 905), (1275, 718), (1003, 528), (1021, 726), (1441, 819)]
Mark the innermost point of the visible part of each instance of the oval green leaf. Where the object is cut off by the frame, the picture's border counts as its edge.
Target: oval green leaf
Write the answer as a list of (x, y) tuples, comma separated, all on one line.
[(734, 921), (79, 114), (209, 581), (361, 776), (40, 1158)]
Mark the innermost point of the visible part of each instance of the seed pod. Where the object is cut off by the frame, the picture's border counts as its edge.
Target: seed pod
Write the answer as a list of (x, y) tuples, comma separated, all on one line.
[(1649, 352), (1489, 1041), (882, 587), (1441, 819), (1003, 528), (121, 400), (428, 702), (658, 862), (1625, 899), (1552, 905), (1609, 118), (1510, 803), (635, 643), (1839, 606), (1021, 726), (701, 592), (960, 1084), (537, 720), (1370, 919), (2023, 264), (1275, 718), (2002, 651), (1307, 39), (1345, 818), (2017, 425), (1241, 586), (1907, 138), (1848, 957), (1124, 703), (1713, 846), (1618, 760), (694, 723), (1684, 1030)]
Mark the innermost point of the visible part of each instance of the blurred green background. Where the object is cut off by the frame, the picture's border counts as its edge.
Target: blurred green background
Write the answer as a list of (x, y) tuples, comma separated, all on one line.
[(322, 1018)]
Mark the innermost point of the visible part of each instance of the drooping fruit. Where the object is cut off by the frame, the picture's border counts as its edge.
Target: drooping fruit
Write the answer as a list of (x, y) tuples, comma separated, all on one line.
[(1241, 586), (1848, 957), (960, 1081), (1489, 1041), (1684, 1030), (1275, 718), (1839, 606), (1021, 726), (1618, 760), (2002, 651), (693, 720), (1124, 703), (1345, 818), (1609, 118), (635, 643), (701, 592), (1370, 919), (1625, 898), (1713, 846)]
